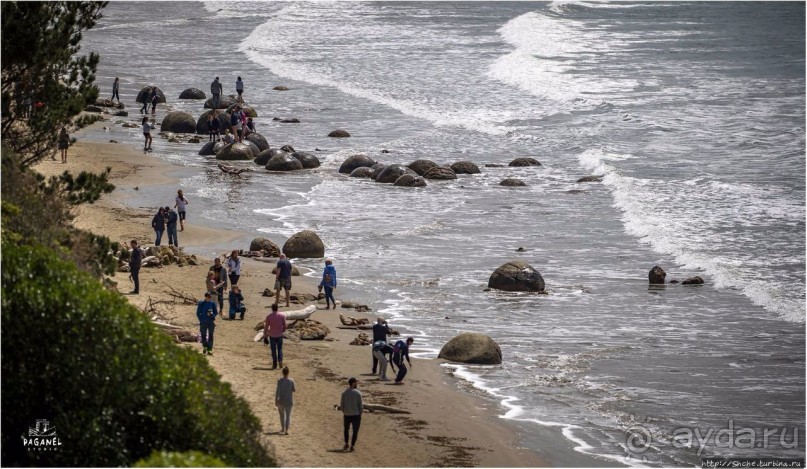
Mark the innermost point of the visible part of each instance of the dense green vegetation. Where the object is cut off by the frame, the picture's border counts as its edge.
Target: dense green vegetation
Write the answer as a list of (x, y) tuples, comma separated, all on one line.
[(187, 459)]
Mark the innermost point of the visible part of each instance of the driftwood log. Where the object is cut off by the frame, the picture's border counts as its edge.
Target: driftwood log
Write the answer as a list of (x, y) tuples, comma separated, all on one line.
[(295, 316), (232, 170)]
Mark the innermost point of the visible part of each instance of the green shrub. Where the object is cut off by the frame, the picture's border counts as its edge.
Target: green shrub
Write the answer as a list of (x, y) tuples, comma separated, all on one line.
[(113, 386), (187, 459)]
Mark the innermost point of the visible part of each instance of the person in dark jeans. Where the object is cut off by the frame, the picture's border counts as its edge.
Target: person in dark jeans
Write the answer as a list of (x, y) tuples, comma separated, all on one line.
[(401, 351), (171, 219), (221, 279), (273, 329), (352, 407), (380, 331), (158, 223), (206, 312), (134, 267), (236, 302), (283, 278)]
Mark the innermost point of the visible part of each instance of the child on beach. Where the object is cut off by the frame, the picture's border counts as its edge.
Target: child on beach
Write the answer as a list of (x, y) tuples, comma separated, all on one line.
[(146, 134), (154, 100), (284, 401), (64, 142), (228, 137), (180, 203)]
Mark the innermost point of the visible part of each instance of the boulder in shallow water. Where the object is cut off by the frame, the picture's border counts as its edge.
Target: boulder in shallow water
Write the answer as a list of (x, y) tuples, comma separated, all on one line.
[(471, 347), (308, 160), (592, 178), (255, 150), (516, 276), (145, 95), (266, 155), (224, 102), (249, 110), (201, 122), (290, 120), (465, 167), (440, 173), (696, 280), (235, 152), (355, 161), (410, 180), (211, 148), (281, 88), (192, 93), (524, 162), (362, 172), (391, 173), (305, 244), (657, 275), (512, 182), (258, 140), (339, 133), (421, 166), (283, 161), (178, 122)]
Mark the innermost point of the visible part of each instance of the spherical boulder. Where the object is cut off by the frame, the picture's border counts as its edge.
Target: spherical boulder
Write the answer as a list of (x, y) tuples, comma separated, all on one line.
[(283, 162), (267, 247), (512, 182), (362, 172), (410, 180), (656, 275), (355, 161), (249, 110), (305, 244), (178, 122), (211, 148), (524, 162), (441, 173), (421, 166), (266, 155), (201, 122), (516, 276), (391, 173), (235, 152), (339, 134), (377, 168), (471, 347), (308, 160), (224, 102), (258, 139), (145, 95), (255, 150), (192, 93), (465, 167)]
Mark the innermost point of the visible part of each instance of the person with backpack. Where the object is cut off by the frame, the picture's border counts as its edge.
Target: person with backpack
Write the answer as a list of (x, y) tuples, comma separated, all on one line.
[(158, 224), (236, 303), (352, 407), (328, 283), (380, 351), (134, 266), (399, 352), (206, 312), (380, 331)]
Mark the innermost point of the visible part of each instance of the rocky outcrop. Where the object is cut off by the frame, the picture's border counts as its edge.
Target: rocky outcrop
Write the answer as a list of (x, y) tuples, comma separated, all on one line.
[(308, 329), (355, 161), (512, 182), (362, 172), (106, 102), (524, 162), (465, 167), (192, 93), (92, 108), (362, 339), (305, 244), (656, 275), (440, 173), (696, 280), (224, 102), (308, 160), (249, 110), (266, 155), (211, 148), (258, 140), (178, 122), (516, 276), (421, 166), (592, 178), (410, 180), (494, 165), (283, 161), (267, 247), (339, 134), (471, 347), (235, 152), (201, 122), (391, 173)]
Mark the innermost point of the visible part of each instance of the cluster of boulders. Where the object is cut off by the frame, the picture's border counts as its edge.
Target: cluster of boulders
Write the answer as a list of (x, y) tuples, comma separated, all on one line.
[(657, 276), (411, 175), (155, 256), (107, 106)]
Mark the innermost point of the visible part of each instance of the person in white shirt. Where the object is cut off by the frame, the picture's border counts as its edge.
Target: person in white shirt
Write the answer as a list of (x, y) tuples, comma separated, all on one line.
[(234, 267), (180, 203)]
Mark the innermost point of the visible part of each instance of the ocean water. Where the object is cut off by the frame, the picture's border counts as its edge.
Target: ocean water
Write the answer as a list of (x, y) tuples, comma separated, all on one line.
[(693, 113)]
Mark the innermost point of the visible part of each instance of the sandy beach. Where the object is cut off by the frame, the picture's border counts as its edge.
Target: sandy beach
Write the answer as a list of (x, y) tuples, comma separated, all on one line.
[(445, 426)]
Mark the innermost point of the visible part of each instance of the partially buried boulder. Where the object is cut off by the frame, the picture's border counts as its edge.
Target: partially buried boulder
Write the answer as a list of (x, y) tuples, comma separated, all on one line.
[(201, 122), (254, 148), (696, 280), (516, 276), (465, 167), (267, 247), (235, 152), (308, 329), (290, 120), (281, 88), (249, 110), (391, 173), (471, 347), (266, 155), (421, 166), (305, 244), (441, 173), (592, 178), (512, 182), (362, 172), (259, 140), (211, 148), (178, 122), (377, 168), (657, 275), (192, 93), (339, 133), (283, 162), (525, 162), (355, 161), (410, 180), (308, 160), (224, 102)]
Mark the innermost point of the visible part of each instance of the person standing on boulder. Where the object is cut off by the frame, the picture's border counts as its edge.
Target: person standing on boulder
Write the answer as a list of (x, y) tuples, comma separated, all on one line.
[(134, 267), (282, 278), (352, 407), (328, 283), (158, 224), (206, 312), (171, 219), (180, 203), (235, 123), (116, 89), (215, 89), (401, 351), (380, 331), (273, 329), (239, 88)]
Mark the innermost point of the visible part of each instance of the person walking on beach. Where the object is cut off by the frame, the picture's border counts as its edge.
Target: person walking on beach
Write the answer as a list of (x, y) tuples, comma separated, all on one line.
[(216, 89), (171, 218), (236, 300), (380, 331), (239, 88), (380, 351), (146, 97), (284, 400), (352, 407), (234, 267), (273, 329), (221, 279), (64, 142), (158, 224), (155, 98), (146, 134), (282, 278), (180, 203), (115, 89), (328, 283), (401, 351), (206, 312), (134, 266)]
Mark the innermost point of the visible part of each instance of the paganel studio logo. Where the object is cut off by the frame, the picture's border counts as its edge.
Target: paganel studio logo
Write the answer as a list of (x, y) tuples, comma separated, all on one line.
[(42, 437)]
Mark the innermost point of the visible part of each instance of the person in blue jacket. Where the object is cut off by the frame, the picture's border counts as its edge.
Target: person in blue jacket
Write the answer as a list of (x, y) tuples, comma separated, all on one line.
[(328, 283), (236, 303), (206, 311), (401, 351)]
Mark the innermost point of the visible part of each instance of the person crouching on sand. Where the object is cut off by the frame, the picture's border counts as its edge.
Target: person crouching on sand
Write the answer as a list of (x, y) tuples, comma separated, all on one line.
[(401, 351), (206, 312), (236, 299), (352, 407), (284, 401), (328, 283)]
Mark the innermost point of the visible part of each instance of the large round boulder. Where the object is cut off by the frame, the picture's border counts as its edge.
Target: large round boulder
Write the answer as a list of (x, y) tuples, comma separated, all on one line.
[(211, 148), (524, 162), (266, 155), (410, 180), (471, 347), (656, 275), (355, 161), (421, 166), (441, 173), (258, 139), (362, 172), (192, 93), (235, 152), (465, 167), (512, 182), (255, 150), (145, 95), (391, 173), (178, 122), (377, 168), (267, 247), (283, 162), (339, 133), (249, 110), (308, 160), (305, 244), (201, 122), (224, 102), (516, 276)]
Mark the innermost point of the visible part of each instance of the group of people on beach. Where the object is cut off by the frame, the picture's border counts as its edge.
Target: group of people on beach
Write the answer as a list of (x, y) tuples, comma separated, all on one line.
[(166, 219)]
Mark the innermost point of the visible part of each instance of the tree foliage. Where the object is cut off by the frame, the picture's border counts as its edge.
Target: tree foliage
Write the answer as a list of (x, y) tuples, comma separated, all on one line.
[(40, 45)]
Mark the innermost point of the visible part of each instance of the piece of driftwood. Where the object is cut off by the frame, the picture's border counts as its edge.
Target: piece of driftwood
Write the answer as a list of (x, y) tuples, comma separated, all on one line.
[(351, 321), (362, 339), (185, 298), (378, 408), (178, 333), (304, 313), (233, 170), (392, 332)]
